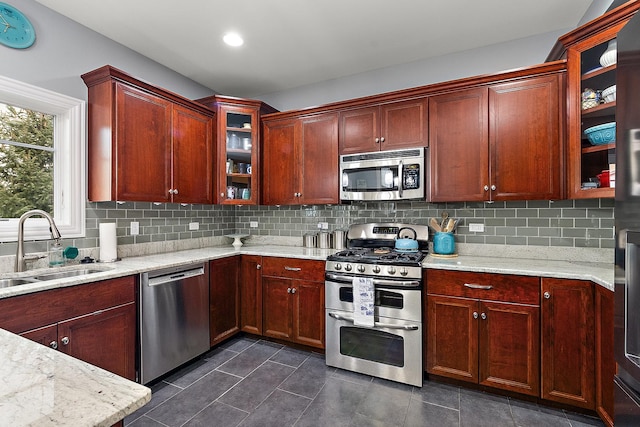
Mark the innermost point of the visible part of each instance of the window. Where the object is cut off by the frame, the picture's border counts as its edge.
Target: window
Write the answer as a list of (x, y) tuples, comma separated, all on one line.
[(56, 148)]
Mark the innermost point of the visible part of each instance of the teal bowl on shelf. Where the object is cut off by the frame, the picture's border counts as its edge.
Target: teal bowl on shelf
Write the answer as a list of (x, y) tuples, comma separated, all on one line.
[(601, 134)]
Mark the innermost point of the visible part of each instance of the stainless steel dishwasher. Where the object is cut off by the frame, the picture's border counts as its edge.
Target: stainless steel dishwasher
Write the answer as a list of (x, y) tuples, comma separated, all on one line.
[(174, 318)]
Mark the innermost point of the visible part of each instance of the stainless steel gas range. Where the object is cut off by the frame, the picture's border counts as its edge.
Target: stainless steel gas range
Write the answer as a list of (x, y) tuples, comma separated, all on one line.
[(381, 333)]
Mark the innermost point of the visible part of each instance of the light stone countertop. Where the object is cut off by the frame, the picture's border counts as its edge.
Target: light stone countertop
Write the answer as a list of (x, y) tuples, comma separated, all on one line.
[(600, 273), (43, 387)]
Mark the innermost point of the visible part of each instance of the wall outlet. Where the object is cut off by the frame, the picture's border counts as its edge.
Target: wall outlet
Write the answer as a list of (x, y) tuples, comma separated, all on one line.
[(134, 228), (479, 228), (194, 226), (253, 224), (323, 225)]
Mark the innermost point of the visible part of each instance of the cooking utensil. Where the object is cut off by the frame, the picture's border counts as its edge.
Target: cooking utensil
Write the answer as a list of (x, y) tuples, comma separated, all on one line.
[(406, 244), (435, 225), (444, 215)]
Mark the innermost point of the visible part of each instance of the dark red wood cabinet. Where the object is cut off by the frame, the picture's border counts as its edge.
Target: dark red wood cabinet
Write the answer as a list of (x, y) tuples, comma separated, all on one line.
[(251, 294), (389, 126), (95, 322), (224, 298)]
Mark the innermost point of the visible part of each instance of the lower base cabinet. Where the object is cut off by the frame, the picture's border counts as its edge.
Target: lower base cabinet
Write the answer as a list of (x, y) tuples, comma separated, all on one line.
[(293, 300), (251, 294), (473, 336), (95, 322), (224, 299), (568, 338)]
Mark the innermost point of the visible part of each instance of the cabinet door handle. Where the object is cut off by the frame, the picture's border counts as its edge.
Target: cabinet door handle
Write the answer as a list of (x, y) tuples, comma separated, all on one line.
[(293, 290), (221, 194), (258, 267), (486, 188), (382, 139), (65, 340), (475, 314), (493, 188), (288, 290), (53, 344), (483, 316), (292, 268), (476, 286), (546, 295), (377, 140)]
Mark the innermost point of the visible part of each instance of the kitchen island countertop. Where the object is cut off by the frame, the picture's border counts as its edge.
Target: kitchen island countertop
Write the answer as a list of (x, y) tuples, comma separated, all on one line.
[(44, 387)]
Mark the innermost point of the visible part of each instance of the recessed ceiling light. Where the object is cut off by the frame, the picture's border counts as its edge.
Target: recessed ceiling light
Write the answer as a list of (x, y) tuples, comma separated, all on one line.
[(233, 39)]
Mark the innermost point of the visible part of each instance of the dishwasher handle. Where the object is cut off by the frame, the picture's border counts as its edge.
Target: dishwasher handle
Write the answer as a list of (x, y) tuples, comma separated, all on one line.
[(175, 276)]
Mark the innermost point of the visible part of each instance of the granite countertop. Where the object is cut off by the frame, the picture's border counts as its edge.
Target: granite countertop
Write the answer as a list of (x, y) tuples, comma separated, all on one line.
[(600, 273), (44, 387)]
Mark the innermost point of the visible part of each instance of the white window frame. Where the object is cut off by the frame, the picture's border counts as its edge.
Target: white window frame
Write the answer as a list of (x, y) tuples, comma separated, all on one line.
[(68, 159)]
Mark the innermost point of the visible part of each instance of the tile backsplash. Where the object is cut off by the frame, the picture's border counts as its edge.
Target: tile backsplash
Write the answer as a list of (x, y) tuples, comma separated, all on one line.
[(564, 223)]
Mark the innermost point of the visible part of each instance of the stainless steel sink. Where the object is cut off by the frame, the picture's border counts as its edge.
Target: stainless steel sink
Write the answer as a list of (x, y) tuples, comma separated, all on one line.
[(5, 283), (66, 273)]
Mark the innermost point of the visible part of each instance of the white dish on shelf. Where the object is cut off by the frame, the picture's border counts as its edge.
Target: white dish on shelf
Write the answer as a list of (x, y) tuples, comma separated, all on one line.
[(609, 94)]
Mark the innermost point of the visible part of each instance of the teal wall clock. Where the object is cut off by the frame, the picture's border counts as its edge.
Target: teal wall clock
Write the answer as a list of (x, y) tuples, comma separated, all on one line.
[(16, 30)]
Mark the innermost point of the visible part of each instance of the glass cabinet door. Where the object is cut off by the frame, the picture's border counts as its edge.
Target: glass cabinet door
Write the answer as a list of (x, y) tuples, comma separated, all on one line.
[(240, 146)]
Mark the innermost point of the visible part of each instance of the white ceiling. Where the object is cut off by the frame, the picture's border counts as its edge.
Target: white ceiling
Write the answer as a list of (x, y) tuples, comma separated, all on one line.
[(291, 43)]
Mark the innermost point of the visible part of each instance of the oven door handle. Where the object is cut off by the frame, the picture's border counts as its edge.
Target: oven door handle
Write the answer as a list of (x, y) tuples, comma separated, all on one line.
[(408, 327), (349, 279)]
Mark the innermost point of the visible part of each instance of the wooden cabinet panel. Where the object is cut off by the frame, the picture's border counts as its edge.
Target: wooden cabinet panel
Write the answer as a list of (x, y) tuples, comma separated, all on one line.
[(404, 124), (105, 338), (280, 163), (605, 362), (459, 145), (277, 308), (568, 342), (193, 157), (509, 339), (359, 130), (224, 299), (309, 313), (251, 294), (525, 139), (143, 146), (300, 160), (390, 126), (452, 338), (319, 171), (294, 268)]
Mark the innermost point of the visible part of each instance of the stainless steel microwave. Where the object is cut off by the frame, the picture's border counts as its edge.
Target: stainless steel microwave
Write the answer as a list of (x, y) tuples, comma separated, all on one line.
[(383, 175)]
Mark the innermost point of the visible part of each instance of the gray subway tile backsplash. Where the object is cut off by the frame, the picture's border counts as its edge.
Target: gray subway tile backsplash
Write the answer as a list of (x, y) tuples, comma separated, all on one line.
[(564, 223)]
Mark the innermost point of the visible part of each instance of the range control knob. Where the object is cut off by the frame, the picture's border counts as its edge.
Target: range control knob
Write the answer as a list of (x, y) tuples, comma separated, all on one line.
[(391, 270), (338, 266), (361, 268), (348, 267), (404, 271), (376, 269)]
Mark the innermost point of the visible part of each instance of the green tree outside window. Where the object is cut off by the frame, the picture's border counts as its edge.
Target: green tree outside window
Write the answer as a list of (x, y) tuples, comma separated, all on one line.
[(26, 161)]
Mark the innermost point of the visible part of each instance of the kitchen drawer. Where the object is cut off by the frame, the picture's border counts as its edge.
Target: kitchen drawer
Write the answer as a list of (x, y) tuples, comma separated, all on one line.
[(293, 268), (485, 286), (25, 312)]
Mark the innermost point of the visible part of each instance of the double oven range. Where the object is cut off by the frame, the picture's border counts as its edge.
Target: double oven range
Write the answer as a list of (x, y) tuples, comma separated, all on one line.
[(392, 347)]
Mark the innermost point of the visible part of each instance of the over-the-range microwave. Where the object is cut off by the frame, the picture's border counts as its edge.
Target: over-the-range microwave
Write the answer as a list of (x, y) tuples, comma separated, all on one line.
[(383, 175)]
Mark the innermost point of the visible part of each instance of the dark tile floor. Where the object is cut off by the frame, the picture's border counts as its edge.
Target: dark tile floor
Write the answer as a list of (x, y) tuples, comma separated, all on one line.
[(246, 382)]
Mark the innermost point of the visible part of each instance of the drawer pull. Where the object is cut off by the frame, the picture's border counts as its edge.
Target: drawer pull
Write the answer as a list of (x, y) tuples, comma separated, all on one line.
[(476, 286), (292, 268)]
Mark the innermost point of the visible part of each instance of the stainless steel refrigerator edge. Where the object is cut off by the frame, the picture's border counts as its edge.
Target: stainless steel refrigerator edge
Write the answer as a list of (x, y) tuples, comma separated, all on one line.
[(173, 317), (627, 225)]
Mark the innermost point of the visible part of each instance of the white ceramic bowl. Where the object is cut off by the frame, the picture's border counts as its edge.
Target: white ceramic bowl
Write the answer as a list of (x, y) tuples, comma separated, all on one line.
[(610, 56), (609, 94)]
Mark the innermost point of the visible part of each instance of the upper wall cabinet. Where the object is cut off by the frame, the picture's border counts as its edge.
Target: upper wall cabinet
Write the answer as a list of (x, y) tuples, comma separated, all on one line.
[(237, 168), (390, 126), (300, 160), (145, 143), (501, 141), (587, 68)]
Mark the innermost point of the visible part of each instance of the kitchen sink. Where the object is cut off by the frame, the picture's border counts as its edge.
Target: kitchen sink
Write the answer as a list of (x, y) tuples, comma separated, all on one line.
[(66, 273), (5, 283)]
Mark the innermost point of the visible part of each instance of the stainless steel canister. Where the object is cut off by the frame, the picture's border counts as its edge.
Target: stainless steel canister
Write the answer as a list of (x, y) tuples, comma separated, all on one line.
[(309, 240), (339, 239), (324, 240)]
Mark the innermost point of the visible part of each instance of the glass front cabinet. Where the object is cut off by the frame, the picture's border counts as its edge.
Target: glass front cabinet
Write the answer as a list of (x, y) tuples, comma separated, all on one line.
[(591, 56), (237, 176)]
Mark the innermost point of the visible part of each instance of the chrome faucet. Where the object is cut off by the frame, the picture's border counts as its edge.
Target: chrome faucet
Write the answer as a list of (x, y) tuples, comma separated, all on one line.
[(21, 258)]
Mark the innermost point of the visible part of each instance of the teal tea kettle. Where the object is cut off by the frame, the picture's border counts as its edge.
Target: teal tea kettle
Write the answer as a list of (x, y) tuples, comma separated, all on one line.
[(406, 244)]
